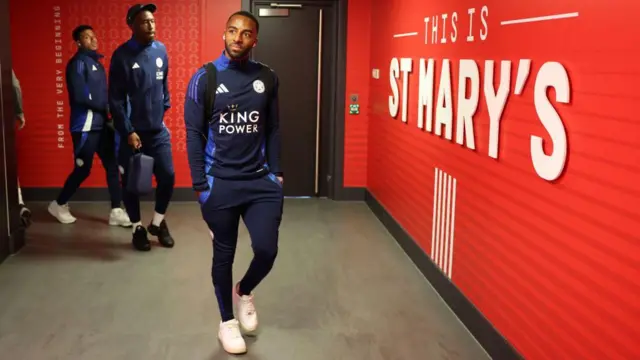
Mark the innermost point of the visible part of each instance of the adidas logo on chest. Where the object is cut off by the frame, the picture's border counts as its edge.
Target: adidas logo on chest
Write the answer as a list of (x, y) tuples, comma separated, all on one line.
[(222, 89)]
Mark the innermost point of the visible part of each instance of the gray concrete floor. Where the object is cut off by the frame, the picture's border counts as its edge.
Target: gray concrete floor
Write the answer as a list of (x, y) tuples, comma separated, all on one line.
[(341, 289)]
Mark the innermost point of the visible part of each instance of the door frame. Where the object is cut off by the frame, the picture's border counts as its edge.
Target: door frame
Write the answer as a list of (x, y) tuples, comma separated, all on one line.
[(336, 189), (9, 180)]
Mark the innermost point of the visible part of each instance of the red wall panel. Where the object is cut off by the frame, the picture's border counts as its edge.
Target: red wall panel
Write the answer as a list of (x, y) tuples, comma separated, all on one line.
[(356, 127), (552, 261), (42, 45)]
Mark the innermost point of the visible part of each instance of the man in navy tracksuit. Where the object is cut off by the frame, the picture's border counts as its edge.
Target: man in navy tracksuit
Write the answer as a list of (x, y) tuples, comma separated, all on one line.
[(234, 155), (138, 98), (90, 131)]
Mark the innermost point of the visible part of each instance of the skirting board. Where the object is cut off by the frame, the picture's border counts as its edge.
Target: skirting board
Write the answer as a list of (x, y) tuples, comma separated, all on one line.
[(95, 194), (179, 194), (351, 194), (489, 338)]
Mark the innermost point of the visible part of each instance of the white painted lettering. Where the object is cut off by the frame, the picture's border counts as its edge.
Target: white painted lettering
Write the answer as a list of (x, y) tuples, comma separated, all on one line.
[(467, 106), (496, 101), (471, 11), (483, 18), (425, 93), (59, 75), (454, 23), (394, 74), (406, 65), (434, 30), (444, 107), (443, 40), (550, 167), (552, 74)]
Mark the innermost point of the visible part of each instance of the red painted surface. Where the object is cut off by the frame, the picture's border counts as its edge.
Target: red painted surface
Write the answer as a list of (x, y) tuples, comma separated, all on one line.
[(356, 127), (553, 264)]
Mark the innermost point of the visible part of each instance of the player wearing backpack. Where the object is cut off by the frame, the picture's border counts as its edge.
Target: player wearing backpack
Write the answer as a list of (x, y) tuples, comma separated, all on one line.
[(233, 144)]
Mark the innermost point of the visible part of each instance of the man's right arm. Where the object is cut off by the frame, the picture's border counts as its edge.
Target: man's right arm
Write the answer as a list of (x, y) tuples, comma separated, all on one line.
[(78, 88), (196, 129), (118, 95)]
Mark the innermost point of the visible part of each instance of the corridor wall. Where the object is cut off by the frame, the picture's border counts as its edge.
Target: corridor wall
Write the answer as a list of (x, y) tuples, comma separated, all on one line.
[(11, 231), (504, 138)]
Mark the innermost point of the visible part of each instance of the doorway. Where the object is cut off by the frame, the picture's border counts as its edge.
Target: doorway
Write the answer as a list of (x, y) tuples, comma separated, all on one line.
[(299, 42), (7, 118), (11, 233), (4, 209)]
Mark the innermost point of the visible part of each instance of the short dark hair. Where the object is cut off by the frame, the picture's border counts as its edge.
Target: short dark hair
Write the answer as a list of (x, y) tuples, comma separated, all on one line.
[(246, 14), (79, 30)]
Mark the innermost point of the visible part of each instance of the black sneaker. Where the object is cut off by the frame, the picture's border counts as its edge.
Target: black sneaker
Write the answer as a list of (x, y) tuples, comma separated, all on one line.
[(140, 241), (25, 216), (162, 233)]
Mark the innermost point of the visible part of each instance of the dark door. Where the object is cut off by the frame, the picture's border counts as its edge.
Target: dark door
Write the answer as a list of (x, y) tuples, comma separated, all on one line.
[(6, 110), (298, 42), (4, 214)]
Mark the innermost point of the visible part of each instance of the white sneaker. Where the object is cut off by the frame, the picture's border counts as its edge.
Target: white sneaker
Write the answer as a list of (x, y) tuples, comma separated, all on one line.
[(119, 217), (245, 311), (231, 338), (61, 212)]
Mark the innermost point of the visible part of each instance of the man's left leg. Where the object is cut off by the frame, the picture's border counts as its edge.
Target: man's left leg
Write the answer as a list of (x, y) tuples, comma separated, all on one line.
[(262, 217), (107, 152), (165, 178)]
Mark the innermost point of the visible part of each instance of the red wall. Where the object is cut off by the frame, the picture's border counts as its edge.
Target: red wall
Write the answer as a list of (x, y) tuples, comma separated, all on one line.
[(42, 44), (356, 127), (549, 251)]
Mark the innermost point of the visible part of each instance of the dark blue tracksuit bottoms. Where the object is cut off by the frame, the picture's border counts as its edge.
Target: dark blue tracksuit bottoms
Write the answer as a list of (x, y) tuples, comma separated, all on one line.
[(260, 203), (156, 144), (85, 146)]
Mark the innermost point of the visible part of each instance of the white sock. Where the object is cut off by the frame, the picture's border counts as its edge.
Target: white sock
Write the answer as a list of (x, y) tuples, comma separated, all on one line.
[(20, 196), (157, 219), (135, 226)]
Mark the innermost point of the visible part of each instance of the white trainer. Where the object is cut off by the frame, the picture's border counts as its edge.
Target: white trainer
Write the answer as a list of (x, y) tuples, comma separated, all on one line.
[(119, 217), (245, 311), (231, 338), (61, 212)]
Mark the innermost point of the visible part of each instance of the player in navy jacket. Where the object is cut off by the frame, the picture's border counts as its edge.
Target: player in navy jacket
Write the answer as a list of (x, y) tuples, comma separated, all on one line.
[(87, 87), (138, 98), (234, 156)]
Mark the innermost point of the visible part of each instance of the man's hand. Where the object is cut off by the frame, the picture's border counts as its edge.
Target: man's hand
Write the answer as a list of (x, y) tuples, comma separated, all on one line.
[(281, 179), (21, 121), (134, 141)]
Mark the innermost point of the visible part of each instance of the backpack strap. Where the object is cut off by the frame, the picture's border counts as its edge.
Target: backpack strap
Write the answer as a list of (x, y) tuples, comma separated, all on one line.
[(268, 78), (210, 91)]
